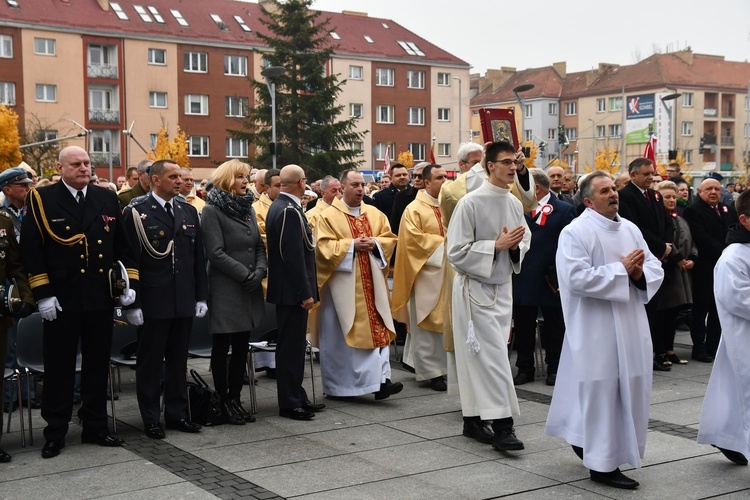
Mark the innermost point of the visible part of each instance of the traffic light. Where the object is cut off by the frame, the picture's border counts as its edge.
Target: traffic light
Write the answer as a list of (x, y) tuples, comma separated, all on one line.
[(702, 146), (561, 137)]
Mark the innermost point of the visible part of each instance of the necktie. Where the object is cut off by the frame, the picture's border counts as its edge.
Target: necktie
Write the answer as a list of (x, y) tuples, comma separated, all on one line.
[(648, 198), (716, 209), (80, 198), (168, 208)]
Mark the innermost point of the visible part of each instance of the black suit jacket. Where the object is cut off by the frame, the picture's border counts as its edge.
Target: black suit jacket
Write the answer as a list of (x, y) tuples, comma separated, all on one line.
[(563, 197), (169, 291), (532, 285), (78, 273), (384, 199), (651, 218), (291, 263), (402, 200)]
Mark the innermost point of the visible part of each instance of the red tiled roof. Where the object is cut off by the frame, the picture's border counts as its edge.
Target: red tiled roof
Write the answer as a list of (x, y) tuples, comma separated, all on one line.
[(546, 81), (88, 17)]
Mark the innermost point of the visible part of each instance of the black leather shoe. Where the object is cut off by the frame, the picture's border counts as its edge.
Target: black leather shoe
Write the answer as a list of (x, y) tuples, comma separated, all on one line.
[(296, 413), (438, 384), (523, 378), (242, 412), (506, 440), (734, 456), (578, 451), (310, 406), (479, 430), (408, 368), (388, 389), (154, 430), (104, 438), (551, 379), (702, 357), (52, 448), (615, 479), (658, 367), (230, 415), (4, 456), (183, 425)]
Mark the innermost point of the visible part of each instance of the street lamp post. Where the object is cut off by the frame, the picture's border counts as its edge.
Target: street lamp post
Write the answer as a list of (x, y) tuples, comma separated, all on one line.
[(672, 125), (460, 102), (517, 90), (269, 74)]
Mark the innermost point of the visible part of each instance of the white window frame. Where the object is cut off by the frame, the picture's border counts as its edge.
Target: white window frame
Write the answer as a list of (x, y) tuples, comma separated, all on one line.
[(528, 135), (153, 99), (571, 134), (235, 106), (201, 99), (418, 150), (444, 149), (49, 92), (384, 77), (416, 116), (45, 46), (356, 72), (687, 99), (358, 147), (552, 109), (203, 144), (390, 110), (152, 140), (46, 135), (551, 134), (119, 12), (101, 141), (615, 130), (415, 79), (353, 106), (686, 129), (601, 105), (615, 103), (380, 148), (194, 59), (601, 131), (571, 108), (235, 65), (153, 59), (688, 156), (528, 110), (443, 79), (6, 46), (8, 93), (444, 114), (236, 148)]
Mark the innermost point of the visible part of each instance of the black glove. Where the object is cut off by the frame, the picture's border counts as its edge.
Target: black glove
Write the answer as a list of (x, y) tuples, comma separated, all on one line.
[(253, 281), (25, 310)]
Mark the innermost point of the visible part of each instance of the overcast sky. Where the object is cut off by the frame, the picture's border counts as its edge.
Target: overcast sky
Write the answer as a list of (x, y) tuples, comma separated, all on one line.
[(494, 33)]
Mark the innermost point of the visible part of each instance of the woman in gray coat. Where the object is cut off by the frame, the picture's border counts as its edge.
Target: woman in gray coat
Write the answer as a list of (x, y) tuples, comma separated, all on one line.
[(236, 266)]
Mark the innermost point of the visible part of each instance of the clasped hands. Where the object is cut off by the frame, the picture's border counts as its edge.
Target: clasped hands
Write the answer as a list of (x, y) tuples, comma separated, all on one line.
[(510, 239), (633, 263), (364, 244)]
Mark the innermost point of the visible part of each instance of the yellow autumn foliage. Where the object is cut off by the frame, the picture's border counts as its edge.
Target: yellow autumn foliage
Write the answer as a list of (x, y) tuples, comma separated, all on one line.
[(406, 159), (175, 149), (10, 140), (607, 159)]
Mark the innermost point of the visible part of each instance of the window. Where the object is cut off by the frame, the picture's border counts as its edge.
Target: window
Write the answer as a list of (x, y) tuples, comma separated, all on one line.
[(335, 35), (687, 100), (571, 134), (46, 135), (100, 99), (355, 110), (368, 39), (152, 140), (747, 128), (178, 17), (196, 104), (528, 110), (380, 150), (475, 112), (475, 133), (157, 99), (144, 15), (444, 114), (601, 131), (416, 116), (415, 79), (444, 79), (235, 106), (551, 134), (118, 11), (8, 93), (198, 145), (236, 148), (615, 130), (384, 77), (384, 114), (552, 108), (242, 24), (196, 62), (687, 128), (615, 103), (44, 46), (358, 147), (570, 159), (417, 149), (355, 72), (6, 46), (156, 15), (219, 22), (601, 105), (411, 49), (46, 93), (570, 108), (528, 135), (444, 149), (235, 65), (100, 141), (157, 56), (688, 156)]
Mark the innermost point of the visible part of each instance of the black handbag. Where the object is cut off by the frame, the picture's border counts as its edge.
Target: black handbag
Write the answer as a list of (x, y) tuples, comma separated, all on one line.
[(205, 403)]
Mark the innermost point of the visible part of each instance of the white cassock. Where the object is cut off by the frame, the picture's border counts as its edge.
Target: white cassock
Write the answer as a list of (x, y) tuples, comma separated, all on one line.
[(603, 390), (482, 297), (725, 419)]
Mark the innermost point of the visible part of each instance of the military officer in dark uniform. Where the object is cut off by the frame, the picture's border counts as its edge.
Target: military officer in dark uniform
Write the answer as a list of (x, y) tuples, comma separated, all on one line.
[(174, 288), (72, 235)]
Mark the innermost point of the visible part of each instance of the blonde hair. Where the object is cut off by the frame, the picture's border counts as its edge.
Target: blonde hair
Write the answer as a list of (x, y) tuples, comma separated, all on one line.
[(666, 185), (224, 176)]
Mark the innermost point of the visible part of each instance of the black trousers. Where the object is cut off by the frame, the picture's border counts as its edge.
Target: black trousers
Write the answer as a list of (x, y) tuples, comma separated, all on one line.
[(164, 343), (61, 338), (228, 383), (552, 334), (290, 355), (655, 327), (705, 333)]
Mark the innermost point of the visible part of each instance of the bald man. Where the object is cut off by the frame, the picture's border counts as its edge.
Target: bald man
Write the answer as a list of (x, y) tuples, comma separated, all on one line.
[(259, 183), (709, 220), (622, 180), (556, 176), (292, 286)]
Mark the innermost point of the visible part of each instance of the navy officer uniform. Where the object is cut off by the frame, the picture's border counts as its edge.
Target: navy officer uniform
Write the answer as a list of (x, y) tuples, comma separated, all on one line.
[(173, 282), (71, 239)]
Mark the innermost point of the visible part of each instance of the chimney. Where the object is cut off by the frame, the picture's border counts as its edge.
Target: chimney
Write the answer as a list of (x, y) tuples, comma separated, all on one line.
[(561, 68), (104, 4), (496, 78), (354, 13), (591, 76), (268, 6), (685, 55)]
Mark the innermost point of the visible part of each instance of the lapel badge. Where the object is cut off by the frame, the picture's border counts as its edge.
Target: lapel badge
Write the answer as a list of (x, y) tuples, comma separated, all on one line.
[(2, 254), (156, 243), (184, 227), (143, 216), (3, 233), (161, 233)]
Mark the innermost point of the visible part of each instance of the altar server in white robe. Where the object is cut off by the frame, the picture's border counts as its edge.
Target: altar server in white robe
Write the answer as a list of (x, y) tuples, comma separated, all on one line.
[(487, 239), (606, 273), (725, 419)]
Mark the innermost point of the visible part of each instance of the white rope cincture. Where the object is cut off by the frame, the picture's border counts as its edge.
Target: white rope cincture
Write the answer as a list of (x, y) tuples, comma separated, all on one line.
[(145, 243), (472, 342)]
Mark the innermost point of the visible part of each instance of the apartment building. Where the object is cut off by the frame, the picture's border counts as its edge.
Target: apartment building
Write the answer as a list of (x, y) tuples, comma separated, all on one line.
[(124, 69)]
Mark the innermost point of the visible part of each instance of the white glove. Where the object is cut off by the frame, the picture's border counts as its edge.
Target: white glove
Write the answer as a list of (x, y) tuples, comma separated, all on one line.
[(201, 308), (48, 308), (135, 316), (127, 297)]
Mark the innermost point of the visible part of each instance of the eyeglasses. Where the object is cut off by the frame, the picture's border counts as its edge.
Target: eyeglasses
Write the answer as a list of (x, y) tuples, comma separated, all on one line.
[(418, 176), (472, 163), (507, 162)]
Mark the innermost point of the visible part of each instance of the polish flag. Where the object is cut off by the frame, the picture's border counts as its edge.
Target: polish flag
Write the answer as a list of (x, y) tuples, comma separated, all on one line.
[(387, 160), (432, 153), (650, 151)]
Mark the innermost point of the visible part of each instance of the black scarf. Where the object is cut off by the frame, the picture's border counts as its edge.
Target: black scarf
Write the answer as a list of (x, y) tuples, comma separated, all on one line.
[(233, 205)]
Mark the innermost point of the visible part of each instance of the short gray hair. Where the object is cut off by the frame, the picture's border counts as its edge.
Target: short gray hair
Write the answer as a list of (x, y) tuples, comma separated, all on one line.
[(144, 164), (465, 149), (586, 189), (325, 181), (540, 177)]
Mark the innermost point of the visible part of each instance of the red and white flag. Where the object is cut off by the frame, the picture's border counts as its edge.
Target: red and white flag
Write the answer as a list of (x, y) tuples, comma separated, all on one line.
[(387, 160), (650, 151), (432, 154)]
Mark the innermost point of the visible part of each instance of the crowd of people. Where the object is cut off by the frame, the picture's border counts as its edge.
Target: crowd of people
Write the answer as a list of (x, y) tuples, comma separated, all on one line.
[(458, 271)]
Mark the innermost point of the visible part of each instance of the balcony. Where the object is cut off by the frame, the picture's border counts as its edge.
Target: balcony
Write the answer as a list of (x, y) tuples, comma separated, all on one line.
[(102, 71), (103, 159), (711, 112), (104, 116), (727, 141)]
